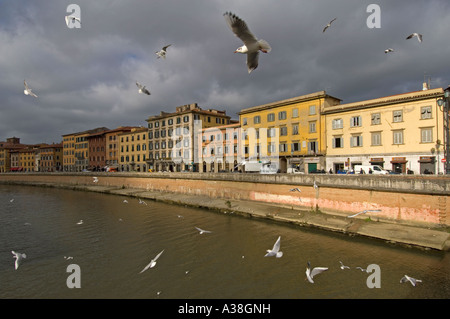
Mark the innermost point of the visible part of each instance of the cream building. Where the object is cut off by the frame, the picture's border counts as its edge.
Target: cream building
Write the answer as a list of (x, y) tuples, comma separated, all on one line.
[(402, 133)]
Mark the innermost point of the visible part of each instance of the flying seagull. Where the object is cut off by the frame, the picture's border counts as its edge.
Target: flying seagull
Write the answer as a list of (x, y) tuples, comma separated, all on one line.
[(343, 266), (72, 19), (362, 269), (252, 45), (388, 50), (315, 185), (162, 53), (295, 190), (202, 231), (275, 250), (18, 257), (95, 179), (328, 25), (142, 89), (413, 281), (142, 202), (310, 273), (152, 263), (27, 90), (418, 35), (365, 211)]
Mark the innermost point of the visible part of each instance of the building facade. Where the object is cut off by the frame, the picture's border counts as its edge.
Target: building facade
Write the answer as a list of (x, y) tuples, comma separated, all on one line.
[(402, 133), (49, 158), (112, 146), (172, 137), (291, 130), (133, 150), (221, 148)]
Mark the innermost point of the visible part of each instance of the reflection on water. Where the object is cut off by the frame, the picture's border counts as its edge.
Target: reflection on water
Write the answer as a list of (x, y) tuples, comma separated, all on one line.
[(117, 240)]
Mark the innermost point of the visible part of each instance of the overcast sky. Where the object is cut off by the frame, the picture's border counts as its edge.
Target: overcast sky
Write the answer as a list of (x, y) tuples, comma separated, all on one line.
[(85, 77)]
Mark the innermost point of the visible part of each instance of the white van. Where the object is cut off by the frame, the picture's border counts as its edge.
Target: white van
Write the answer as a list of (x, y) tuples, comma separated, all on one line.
[(292, 170), (376, 169)]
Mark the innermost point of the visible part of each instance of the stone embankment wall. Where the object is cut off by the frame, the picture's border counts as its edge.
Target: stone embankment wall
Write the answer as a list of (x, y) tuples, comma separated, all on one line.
[(424, 199)]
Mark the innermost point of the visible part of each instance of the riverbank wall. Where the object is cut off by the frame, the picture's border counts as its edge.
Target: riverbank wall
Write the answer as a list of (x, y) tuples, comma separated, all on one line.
[(325, 201)]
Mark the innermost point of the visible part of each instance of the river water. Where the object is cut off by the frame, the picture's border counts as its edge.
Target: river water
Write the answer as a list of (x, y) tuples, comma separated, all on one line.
[(117, 240)]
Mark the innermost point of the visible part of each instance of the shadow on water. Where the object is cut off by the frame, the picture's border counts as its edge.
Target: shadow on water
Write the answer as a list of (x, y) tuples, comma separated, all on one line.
[(117, 240)]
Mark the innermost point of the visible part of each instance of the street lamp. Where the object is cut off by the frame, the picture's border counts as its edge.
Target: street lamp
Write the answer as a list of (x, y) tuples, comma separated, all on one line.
[(445, 104)]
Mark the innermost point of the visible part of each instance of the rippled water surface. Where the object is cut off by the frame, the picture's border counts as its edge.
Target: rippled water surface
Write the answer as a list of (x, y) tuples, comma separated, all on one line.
[(117, 240)]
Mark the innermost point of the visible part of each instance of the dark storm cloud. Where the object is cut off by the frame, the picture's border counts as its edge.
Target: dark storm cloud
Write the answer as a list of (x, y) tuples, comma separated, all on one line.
[(85, 78)]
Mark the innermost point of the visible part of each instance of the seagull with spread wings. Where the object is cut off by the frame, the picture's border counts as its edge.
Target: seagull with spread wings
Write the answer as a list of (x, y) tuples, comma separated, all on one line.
[(142, 89), (252, 45), (162, 53), (27, 90), (415, 34), (328, 25)]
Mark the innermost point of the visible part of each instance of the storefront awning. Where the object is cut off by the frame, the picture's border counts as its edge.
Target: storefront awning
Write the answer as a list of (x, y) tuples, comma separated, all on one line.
[(427, 159), (398, 160)]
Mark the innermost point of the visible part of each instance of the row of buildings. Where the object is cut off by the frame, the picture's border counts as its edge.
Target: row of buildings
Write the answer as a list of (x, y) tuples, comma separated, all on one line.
[(404, 133)]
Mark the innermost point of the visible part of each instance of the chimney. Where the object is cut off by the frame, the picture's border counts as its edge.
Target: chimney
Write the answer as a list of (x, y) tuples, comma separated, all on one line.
[(425, 86)]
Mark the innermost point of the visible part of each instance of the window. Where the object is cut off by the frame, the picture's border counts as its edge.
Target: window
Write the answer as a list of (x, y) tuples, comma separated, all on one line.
[(156, 124), (283, 147), (270, 117), (282, 115), (376, 138), (356, 141), (295, 129), (295, 146), (312, 110), (376, 118), (294, 113), (337, 124), (186, 118), (244, 121), (338, 142), (312, 127), (355, 121), (397, 116), (283, 131), (312, 147), (170, 121), (398, 137), (426, 135), (425, 112), (271, 132), (257, 119), (271, 148)]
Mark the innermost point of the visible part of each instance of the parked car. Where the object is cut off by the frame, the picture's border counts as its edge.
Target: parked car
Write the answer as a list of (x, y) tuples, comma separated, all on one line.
[(318, 171)]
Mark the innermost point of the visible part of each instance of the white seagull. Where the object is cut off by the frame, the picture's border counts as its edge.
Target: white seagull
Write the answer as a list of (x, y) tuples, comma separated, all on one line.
[(328, 25), (365, 211), (68, 257), (310, 273), (142, 89), (27, 90), (343, 266), (315, 185), (362, 269), (202, 231), (295, 190), (417, 35), (152, 263), (80, 222), (275, 250), (125, 201), (252, 45), (95, 179), (72, 19), (142, 202), (413, 281), (388, 50), (18, 257), (162, 53)]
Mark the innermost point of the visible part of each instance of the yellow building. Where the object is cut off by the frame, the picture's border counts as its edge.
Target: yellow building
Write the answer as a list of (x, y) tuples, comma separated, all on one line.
[(133, 150), (9, 157), (27, 161), (69, 152), (290, 131), (402, 133), (112, 146)]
